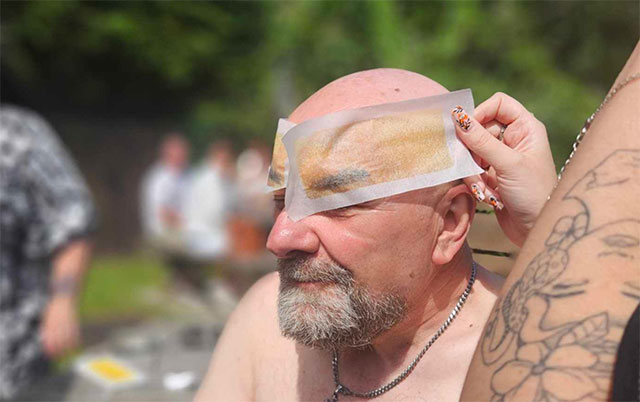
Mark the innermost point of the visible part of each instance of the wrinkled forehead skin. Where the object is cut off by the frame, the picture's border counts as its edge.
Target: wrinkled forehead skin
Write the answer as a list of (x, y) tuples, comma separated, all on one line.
[(362, 89)]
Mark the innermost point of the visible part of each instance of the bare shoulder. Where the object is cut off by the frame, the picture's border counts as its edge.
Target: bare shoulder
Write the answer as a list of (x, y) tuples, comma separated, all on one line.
[(252, 323), (483, 296), (478, 307), (261, 297), (488, 283), (476, 312), (256, 312)]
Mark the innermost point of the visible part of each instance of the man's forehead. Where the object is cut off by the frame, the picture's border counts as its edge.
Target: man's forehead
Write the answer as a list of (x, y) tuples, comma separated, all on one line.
[(366, 88)]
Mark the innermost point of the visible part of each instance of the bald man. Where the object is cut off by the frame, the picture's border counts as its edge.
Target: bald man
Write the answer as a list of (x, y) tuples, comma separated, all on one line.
[(373, 283)]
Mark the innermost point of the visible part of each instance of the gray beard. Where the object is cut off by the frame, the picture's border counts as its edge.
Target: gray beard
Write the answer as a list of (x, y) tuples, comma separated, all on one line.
[(338, 315)]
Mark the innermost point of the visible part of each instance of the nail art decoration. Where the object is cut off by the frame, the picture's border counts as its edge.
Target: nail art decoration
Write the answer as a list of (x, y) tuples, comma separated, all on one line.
[(475, 189), (462, 118), (495, 202)]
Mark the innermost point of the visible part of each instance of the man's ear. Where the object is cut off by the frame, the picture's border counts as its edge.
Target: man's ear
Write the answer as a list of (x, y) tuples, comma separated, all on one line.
[(457, 208)]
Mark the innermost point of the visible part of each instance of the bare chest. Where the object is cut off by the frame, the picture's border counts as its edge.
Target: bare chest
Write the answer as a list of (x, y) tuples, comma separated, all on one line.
[(293, 373), (306, 375)]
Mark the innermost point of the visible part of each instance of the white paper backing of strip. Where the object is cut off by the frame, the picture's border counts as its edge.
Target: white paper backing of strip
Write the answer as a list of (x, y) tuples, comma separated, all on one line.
[(298, 205), (284, 126)]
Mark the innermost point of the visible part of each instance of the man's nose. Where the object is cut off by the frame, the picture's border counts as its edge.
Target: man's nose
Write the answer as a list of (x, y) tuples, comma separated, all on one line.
[(288, 237)]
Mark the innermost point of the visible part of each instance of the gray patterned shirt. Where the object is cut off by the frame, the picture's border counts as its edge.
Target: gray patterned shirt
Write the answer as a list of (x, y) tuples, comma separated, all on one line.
[(44, 204)]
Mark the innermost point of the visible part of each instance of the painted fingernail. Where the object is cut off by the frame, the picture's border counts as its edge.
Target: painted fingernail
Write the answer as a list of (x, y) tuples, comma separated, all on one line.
[(495, 202), (475, 189), (461, 117)]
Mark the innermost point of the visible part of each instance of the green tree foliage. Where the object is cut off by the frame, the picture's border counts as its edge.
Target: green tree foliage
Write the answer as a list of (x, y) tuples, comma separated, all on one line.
[(231, 68)]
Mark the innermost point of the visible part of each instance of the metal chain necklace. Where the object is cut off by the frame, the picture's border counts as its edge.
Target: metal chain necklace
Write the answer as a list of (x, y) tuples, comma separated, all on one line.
[(587, 123), (342, 389)]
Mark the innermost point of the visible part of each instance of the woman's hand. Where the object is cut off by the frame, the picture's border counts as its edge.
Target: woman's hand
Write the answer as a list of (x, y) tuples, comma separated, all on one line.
[(520, 173)]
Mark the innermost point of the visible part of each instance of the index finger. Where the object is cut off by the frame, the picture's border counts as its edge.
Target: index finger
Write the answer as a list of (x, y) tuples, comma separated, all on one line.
[(500, 107)]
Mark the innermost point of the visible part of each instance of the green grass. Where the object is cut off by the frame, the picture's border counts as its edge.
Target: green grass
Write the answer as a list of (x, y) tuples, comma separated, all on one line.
[(117, 287)]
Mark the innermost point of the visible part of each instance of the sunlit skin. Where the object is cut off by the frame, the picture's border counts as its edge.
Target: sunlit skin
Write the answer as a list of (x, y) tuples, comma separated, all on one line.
[(411, 244), (403, 230)]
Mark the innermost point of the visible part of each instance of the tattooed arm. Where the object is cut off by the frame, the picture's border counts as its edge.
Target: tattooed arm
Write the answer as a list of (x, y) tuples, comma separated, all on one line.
[(555, 329)]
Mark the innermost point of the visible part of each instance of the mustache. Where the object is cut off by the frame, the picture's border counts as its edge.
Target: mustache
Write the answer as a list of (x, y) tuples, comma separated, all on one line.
[(306, 269)]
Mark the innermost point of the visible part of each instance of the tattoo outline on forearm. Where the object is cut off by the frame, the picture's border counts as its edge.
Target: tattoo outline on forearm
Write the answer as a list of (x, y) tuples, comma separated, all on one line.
[(540, 349)]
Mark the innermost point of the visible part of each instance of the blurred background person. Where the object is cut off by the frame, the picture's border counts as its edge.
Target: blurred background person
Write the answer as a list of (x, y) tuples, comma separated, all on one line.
[(46, 216), (162, 210), (162, 195), (209, 200), (255, 207)]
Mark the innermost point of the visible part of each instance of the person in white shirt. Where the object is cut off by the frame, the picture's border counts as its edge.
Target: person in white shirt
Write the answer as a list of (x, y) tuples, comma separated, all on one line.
[(162, 195), (208, 203)]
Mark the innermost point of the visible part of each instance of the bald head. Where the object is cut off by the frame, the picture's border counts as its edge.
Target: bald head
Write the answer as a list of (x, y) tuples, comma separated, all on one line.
[(366, 88)]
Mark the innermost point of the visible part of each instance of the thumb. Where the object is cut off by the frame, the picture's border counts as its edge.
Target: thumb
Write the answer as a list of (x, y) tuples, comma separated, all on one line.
[(481, 142)]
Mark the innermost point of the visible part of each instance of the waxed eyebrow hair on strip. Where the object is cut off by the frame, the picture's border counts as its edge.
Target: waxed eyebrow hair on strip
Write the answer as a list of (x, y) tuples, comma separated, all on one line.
[(370, 152), (337, 182)]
